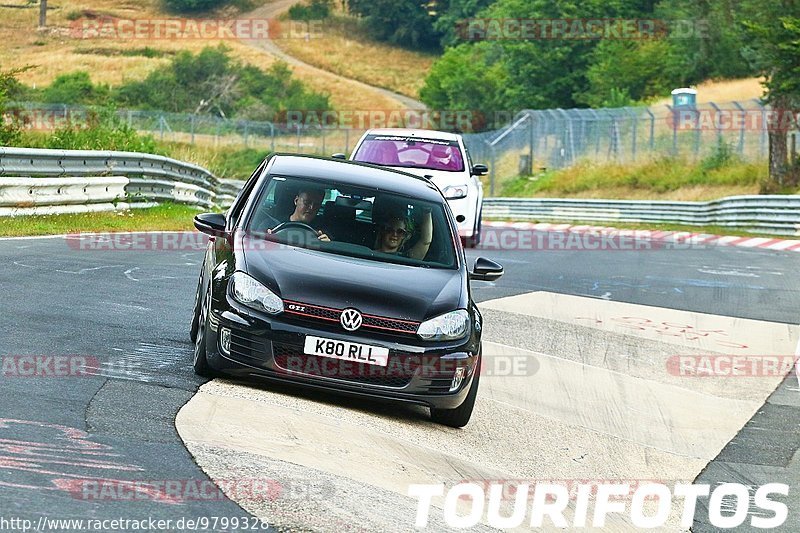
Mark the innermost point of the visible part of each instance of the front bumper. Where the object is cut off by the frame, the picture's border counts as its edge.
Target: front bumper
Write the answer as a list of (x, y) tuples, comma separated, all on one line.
[(271, 348), (468, 207)]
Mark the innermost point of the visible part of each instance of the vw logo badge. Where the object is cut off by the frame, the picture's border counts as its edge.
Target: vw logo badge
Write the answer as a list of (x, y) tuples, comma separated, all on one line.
[(351, 319)]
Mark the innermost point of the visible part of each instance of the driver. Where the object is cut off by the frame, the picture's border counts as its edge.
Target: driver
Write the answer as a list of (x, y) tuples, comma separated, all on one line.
[(306, 206)]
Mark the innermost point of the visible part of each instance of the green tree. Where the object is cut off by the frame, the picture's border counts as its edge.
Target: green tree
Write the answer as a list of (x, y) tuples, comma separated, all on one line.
[(452, 17), (642, 69), (311, 10), (403, 22), (541, 72), (773, 30)]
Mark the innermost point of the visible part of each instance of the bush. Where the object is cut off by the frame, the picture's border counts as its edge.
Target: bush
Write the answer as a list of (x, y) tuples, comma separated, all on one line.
[(211, 82), (722, 156), (9, 128), (75, 88), (311, 10), (189, 6), (103, 131)]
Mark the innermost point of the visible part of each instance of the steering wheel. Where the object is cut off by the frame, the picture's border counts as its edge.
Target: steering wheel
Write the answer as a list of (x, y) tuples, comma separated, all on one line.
[(285, 226)]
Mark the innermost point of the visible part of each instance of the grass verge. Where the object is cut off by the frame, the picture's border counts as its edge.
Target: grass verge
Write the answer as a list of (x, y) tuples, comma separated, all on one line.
[(661, 179), (166, 217)]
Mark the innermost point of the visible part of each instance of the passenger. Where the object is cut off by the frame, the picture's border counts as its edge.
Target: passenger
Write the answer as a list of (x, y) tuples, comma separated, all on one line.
[(395, 230)]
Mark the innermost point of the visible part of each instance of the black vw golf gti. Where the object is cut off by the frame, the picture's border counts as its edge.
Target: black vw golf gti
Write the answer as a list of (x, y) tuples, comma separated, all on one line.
[(342, 276)]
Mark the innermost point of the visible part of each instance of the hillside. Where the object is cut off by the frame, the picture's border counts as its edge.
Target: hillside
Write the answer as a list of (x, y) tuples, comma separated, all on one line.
[(60, 49), (343, 46)]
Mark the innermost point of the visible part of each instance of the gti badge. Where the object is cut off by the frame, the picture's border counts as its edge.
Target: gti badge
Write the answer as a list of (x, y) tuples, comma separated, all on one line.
[(351, 319)]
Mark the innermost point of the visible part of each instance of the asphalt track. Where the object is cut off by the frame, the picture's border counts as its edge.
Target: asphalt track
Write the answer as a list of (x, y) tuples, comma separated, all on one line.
[(129, 310)]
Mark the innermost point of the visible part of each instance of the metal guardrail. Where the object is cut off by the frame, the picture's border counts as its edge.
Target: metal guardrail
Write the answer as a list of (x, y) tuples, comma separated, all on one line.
[(34, 181), (772, 214)]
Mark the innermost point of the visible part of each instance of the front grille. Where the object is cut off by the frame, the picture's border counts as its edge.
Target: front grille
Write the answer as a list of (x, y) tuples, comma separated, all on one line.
[(397, 373), (247, 346), (328, 314)]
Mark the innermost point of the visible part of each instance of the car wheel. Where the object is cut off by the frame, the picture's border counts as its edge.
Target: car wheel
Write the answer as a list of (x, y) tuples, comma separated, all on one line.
[(196, 311), (458, 417), (200, 363), (475, 240)]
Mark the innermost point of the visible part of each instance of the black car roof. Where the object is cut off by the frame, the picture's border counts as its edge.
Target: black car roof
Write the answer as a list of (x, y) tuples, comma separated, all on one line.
[(354, 173)]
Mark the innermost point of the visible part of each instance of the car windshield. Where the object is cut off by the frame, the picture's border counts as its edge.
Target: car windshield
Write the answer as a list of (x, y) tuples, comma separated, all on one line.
[(411, 152), (353, 221)]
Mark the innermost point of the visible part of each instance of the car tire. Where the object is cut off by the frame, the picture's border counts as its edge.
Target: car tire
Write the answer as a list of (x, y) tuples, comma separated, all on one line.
[(475, 240), (200, 362), (196, 311), (459, 417)]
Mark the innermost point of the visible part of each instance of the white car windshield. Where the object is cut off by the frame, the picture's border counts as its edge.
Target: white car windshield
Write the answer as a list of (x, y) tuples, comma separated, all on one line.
[(411, 152)]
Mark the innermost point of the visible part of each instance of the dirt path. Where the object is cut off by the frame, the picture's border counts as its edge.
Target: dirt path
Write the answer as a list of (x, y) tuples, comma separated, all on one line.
[(278, 7)]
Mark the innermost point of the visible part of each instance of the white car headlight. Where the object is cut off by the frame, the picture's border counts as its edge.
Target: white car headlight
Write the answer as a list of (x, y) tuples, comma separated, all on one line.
[(455, 192), (249, 292), (447, 327)]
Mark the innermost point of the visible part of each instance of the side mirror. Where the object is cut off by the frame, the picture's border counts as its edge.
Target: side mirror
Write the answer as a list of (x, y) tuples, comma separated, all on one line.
[(339, 156), (212, 224), (480, 170), (486, 270)]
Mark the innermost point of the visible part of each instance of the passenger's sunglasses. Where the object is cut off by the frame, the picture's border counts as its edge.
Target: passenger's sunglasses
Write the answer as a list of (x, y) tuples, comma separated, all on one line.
[(398, 231)]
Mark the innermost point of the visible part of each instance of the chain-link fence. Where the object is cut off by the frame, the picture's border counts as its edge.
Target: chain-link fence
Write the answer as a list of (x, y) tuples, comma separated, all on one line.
[(557, 138), (534, 140), (196, 129)]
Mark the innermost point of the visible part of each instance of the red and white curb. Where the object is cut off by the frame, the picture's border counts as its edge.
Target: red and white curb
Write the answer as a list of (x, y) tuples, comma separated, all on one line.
[(684, 237)]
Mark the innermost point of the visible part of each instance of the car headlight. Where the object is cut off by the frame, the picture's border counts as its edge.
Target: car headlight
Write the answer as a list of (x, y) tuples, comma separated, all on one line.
[(455, 192), (447, 327), (249, 292)]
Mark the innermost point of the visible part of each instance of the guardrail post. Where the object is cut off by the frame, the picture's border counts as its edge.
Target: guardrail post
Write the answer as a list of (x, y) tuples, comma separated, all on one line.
[(762, 138), (191, 128), (740, 147), (531, 124), (674, 130)]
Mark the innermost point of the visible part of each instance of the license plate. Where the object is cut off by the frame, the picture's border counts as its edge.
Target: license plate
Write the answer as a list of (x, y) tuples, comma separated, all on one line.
[(346, 351)]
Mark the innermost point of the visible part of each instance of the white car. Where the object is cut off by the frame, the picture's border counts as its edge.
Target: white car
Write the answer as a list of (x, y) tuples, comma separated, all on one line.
[(442, 158)]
